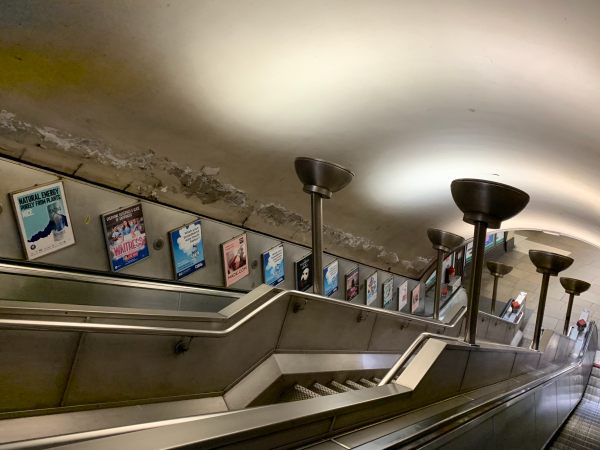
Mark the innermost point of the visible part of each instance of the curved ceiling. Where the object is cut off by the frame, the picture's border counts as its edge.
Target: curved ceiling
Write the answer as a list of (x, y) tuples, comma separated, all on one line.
[(205, 104)]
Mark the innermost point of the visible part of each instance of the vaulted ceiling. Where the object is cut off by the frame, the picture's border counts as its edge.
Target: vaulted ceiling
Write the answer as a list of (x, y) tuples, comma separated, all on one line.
[(205, 104)]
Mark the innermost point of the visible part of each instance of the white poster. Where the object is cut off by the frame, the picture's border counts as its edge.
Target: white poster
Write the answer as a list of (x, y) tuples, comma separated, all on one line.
[(402, 295)]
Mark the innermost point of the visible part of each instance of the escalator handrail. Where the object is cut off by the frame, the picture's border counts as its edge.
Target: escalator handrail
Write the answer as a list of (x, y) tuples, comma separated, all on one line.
[(458, 419), (112, 280), (89, 327), (417, 343)]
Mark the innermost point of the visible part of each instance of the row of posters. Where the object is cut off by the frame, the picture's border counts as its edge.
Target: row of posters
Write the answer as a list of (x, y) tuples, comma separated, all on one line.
[(45, 227)]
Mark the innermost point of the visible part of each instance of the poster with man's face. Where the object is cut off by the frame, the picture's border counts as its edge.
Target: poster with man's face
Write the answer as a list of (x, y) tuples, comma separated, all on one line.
[(235, 259), (352, 284)]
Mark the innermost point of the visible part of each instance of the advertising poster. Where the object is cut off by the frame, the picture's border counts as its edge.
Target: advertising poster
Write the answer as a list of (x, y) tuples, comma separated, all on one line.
[(235, 259), (371, 288), (330, 278), (187, 249), (499, 237), (125, 235), (352, 284), (304, 275), (388, 291), (489, 241), (403, 295), (469, 252), (43, 219), (416, 297), (273, 266)]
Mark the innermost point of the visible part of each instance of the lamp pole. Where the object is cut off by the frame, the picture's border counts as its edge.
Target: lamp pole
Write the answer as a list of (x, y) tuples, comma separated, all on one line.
[(320, 179)]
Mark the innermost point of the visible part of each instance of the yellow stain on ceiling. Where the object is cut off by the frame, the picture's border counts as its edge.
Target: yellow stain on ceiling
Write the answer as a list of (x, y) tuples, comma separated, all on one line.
[(46, 72)]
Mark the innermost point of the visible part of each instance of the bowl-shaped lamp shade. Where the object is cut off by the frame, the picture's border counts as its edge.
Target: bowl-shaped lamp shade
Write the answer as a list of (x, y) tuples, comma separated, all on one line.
[(498, 269), (548, 262), (487, 201), (574, 286), (444, 240), (322, 177)]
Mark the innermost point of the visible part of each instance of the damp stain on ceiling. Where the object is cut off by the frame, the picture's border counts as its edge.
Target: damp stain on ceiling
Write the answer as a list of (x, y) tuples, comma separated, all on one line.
[(205, 104)]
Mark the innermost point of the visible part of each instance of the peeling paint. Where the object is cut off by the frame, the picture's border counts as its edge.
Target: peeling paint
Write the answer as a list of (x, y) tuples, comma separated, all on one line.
[(202, 184), (279, 215)]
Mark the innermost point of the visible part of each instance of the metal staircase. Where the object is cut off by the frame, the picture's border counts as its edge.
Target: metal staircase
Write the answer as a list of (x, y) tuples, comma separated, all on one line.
[(299, 392), (582, 429)]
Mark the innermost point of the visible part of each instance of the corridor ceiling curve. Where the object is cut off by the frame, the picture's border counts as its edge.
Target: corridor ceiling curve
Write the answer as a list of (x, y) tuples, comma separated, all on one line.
[(205, 104)]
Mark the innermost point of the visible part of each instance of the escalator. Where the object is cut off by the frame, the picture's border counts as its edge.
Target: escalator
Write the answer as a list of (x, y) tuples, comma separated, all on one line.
[(270, 369), (582, 429)]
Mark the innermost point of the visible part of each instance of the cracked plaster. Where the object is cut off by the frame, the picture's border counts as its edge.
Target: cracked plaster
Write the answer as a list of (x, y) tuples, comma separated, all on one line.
[(202, 184)]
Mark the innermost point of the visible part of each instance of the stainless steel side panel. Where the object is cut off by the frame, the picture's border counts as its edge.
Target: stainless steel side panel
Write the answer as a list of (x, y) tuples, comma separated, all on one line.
[(324, 325), (546, 417), (34, 368), (126, 367), (514, 426), (485, 368)]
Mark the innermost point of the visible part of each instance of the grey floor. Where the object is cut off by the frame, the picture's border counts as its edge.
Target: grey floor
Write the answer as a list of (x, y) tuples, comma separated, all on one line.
[(525, 278)]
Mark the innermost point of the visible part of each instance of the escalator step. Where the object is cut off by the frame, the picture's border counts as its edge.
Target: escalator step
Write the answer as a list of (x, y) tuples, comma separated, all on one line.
[(300, 393), (354, 385), (322, 390), (367, 383), (376, 380), (339, 386)]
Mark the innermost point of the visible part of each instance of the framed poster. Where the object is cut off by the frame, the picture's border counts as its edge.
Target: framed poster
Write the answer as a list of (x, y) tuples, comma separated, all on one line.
[(489, 241), (43, 219), (273, 266), (235, 259), (500, 237), (352, 284), (187, 249), (371, 288), (387, 288), (403, 295), (469, 252), (125, 236), (304, 274), (415, 297), (330, 278)]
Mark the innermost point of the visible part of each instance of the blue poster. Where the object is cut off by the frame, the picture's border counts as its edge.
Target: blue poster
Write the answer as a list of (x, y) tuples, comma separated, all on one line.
[(187, 249), (330, 278), (489, 241), (273, 266)]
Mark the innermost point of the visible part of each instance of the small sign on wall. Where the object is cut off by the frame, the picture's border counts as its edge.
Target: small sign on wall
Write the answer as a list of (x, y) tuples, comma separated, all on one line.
[(403, 295), (187, 249), (304, 274), (371, 288), (352, 284), (416, 298), (388, 291), (330, 278), (235, 259), (43, 219), (125, 235), (273, 266)]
